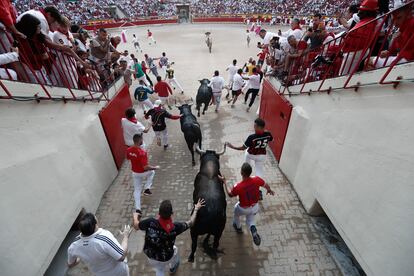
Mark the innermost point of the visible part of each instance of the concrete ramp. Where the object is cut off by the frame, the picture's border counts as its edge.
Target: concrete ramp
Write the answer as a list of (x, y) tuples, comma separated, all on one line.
[(55, 160)]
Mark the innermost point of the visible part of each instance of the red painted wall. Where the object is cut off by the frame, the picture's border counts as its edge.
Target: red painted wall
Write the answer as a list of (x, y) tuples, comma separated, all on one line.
[(110, 117), (129, 24), (275, 109), (217, 19)]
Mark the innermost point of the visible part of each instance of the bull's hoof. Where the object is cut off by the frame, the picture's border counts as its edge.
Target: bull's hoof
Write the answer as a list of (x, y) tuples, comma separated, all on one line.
[(198, 114), (194, 163), (191, 259), (204, 113)]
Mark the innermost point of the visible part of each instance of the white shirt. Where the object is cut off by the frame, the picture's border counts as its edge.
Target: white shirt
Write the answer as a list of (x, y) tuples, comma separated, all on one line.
[(298, 33), (238, 82), (232, 70), (134, 40), (216, 84), (61, 39), (254, 81), (268, 37), (44, 25), (101, 252), (130, 129)]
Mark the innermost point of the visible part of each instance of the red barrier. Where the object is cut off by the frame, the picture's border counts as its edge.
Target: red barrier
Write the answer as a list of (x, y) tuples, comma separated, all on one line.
[(130, 24), (218, 19), (110, 117), (275, 110)]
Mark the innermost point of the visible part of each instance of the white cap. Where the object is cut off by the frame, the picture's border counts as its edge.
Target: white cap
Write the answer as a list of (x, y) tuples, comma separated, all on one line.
[(157, 103)]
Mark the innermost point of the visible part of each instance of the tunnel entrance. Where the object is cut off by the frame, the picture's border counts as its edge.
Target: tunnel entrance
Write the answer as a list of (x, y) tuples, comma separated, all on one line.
[(333, 241), (58, 265), (183, 12)]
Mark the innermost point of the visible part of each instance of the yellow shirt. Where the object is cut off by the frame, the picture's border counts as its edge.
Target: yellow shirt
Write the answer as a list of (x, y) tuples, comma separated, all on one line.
[(250, 69)]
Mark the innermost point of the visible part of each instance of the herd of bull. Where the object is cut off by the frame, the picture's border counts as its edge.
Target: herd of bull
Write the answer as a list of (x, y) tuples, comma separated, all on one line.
[(211, 219)]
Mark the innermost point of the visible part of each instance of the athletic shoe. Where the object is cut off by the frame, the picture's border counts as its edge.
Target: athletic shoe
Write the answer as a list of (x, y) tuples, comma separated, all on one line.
[(165, 147), (232, 106), (175, 267), (245, 102), (238, 230), (248, 109), (170, 107), (256, 237), (147, 192), (182, 92)]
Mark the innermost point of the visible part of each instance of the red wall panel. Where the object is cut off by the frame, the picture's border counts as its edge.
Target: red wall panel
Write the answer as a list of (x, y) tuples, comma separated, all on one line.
[(110, 117), (275, 109), (129, 24), (217, 19)]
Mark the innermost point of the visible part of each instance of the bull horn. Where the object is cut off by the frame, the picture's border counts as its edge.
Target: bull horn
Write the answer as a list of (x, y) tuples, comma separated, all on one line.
[(224, 150), (199, 151)]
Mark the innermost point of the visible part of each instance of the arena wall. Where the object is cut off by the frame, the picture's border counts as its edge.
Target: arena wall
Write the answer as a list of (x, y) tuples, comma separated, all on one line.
[(352, 154), (55, 160), (130, 24)]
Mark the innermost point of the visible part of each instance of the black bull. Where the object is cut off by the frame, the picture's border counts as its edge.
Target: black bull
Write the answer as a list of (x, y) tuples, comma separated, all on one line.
[(204, 95), (191, 128), (211, 219)]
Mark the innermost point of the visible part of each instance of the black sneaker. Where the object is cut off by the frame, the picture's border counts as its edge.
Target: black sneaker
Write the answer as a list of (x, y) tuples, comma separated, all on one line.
[(238, 230), (256, 237), (175, 267), (147, 192), (165, 147)]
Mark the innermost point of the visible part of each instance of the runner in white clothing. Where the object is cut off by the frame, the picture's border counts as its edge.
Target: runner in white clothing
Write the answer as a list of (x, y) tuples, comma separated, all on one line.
[(254, 87), (217, 85), (237, 86), (232, 69), (136, 43), (131, 126), (99, 249)]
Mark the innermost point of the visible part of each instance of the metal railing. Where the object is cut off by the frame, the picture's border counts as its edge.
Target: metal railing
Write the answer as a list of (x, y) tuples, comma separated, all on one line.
[(49, 68), (355, 51)]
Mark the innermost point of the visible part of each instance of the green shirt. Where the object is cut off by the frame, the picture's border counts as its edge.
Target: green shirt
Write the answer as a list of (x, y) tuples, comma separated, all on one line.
[(138, 70)]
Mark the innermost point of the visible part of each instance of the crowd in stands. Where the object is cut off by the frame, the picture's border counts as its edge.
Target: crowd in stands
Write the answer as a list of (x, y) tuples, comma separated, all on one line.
[(43, 45), (353, 42)]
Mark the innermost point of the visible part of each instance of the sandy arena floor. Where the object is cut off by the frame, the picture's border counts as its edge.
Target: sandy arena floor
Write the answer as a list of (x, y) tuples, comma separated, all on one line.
[(290, 243)]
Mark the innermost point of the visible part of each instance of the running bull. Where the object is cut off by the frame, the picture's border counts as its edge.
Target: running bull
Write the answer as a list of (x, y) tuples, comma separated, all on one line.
[(190, 127), (211, 219), (204, 95)]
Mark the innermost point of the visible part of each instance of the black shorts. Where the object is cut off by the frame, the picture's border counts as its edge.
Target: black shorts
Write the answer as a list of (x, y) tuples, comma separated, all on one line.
[(236, 92)]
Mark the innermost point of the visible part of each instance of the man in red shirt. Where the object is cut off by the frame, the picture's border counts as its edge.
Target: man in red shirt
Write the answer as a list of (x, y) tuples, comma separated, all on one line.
[(163, 89), (140, 170), (248, 192)]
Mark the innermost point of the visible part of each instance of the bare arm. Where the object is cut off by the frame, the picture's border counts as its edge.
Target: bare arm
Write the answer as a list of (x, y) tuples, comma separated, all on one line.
[(197, 207), (236, 148), (151, 168), (124, 244), (226, 188), (269, 191), (76, 262)]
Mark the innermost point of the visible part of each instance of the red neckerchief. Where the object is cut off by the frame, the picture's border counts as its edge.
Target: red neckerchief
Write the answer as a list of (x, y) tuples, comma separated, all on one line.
[(133, 119), (259, 132), (166, 224)]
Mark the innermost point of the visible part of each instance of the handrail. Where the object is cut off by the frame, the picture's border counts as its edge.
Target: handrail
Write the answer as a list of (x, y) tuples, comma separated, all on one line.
[(50, 68), (338, 57)]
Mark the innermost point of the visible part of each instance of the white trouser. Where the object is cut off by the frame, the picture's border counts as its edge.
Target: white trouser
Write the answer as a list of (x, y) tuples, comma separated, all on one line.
[(351, 61), (164, 100), (151, 39), (217, 99), (163, 135), (146, 103), (138, 178), (174, 83), (5, 76), (249, 212), (164, 70), (381, 61), (160, 267), (144, 79), (258, 161)]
